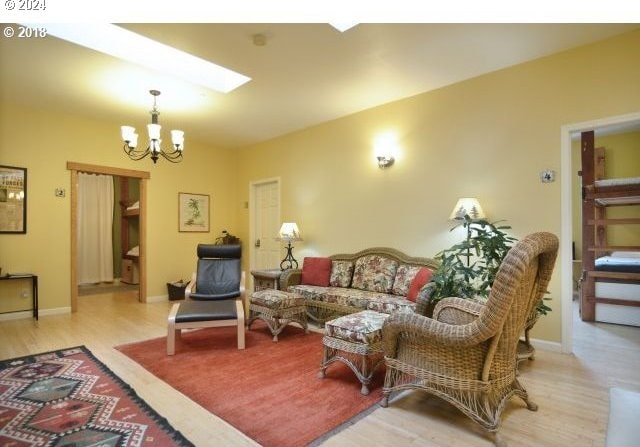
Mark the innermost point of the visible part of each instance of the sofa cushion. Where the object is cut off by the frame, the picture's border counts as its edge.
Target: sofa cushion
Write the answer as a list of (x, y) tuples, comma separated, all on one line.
[(404, 276), (276, 299), (391, 303), (341, 273), (422, 277), (362, 327), (316, 271), (374, 273), (343, 296)]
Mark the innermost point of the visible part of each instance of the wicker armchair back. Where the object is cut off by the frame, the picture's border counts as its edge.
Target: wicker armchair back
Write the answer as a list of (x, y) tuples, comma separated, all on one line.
[(467, 354)]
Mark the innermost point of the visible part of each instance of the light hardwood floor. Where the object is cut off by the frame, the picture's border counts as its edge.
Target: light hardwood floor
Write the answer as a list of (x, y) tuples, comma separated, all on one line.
[(571, 390)]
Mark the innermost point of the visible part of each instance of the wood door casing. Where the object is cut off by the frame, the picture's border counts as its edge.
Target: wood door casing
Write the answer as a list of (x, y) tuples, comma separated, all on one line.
[(143, 176)]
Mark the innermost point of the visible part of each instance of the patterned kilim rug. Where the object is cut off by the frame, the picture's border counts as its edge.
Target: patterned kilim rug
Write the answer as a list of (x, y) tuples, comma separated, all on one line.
[(69, 398)]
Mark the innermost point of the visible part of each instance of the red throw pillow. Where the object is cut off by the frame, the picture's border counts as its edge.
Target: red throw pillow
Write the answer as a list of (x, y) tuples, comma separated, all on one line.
[(422, 277), (316, 271)]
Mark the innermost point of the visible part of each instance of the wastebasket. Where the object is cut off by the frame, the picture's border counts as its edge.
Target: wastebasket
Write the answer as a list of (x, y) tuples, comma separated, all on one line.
[(176, 290)]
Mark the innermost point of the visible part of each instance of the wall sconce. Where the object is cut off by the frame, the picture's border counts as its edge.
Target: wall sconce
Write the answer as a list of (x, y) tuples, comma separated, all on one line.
[(386, 146), (385, 161)]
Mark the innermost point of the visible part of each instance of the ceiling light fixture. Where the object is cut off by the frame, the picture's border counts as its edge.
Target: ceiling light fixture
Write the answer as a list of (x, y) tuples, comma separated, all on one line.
[(154, 149), (124, 44)]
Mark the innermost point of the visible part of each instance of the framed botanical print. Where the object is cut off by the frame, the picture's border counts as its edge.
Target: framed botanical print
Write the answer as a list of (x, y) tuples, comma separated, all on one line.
[(13, 199), (193, 212)]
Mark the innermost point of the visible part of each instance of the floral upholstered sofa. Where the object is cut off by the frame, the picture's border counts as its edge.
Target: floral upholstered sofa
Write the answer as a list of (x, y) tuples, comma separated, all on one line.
[(381, 279)]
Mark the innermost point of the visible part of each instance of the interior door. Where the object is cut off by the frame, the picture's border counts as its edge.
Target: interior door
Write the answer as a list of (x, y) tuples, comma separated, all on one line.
[(266, 221)]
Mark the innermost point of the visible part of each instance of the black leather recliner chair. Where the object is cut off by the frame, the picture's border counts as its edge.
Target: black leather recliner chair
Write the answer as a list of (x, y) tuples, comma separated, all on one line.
[(214, 297)]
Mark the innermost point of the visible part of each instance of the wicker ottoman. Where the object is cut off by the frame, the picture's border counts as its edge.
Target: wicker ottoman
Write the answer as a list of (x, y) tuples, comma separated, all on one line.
[(277, 308), (355, 340)]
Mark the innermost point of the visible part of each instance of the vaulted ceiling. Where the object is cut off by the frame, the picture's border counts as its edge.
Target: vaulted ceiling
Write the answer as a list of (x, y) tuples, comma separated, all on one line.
[(303, 75)]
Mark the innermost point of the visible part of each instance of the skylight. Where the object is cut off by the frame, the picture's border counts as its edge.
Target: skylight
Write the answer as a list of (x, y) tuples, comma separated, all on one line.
[(343, 25), (127, 45)]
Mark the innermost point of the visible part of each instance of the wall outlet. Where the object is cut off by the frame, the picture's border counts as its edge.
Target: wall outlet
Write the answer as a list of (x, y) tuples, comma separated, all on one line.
[(60, 192)]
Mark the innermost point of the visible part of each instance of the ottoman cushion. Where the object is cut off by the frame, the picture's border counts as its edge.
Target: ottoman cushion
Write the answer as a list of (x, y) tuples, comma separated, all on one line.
[(276, 299), (362, 327)]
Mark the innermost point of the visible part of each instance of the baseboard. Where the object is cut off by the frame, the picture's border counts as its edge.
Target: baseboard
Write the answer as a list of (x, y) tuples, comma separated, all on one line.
[(546, 345), (16, 315), (29, 314), (54, 311), (157, 298)]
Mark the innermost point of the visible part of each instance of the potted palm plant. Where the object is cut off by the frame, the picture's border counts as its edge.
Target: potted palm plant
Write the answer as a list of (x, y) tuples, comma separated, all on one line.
[(468, 268)]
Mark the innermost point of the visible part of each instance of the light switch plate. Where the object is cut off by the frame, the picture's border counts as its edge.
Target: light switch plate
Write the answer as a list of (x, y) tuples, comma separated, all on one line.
[(548, 176)]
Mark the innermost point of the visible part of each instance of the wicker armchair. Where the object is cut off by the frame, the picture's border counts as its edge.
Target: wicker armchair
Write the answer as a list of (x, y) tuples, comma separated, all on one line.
[(467, 354)]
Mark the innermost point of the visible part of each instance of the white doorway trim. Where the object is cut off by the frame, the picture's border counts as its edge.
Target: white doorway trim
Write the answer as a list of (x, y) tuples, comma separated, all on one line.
[(252, 210), (566, 231)]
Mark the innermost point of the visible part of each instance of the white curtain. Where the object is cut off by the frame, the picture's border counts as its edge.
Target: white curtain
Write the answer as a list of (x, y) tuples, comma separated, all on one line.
[(95, 226)]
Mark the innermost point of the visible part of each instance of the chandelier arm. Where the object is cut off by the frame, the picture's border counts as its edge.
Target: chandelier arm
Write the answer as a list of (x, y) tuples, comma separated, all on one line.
[(173, 157), (135, 154)]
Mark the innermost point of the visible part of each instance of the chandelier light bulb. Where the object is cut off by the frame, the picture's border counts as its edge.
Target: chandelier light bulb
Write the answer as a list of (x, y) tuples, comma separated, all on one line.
[(177, 138), (133, 140)]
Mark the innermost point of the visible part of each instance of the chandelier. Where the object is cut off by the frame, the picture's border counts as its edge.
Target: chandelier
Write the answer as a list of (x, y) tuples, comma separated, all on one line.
[(154, 149)]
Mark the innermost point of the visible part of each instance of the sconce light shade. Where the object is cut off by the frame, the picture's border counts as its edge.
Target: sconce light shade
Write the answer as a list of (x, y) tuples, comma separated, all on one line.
[(467, 205), (385, 161), (385, 147)]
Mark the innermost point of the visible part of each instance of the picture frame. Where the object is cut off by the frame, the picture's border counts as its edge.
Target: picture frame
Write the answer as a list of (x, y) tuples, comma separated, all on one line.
[(13, 199), (193, 213)]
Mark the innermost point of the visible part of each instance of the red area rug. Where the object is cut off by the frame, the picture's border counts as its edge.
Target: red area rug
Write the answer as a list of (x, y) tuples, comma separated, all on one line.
[(269, 391), (69, 398)]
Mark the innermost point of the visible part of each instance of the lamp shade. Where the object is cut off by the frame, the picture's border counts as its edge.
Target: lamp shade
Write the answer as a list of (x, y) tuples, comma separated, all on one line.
[(127, 133), (154, 131), (289, 232), (177, 138), (467, 205)]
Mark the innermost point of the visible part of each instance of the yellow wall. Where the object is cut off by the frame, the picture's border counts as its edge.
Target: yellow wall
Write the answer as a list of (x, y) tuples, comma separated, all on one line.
[(622, 159), (43, 142), (487, 137)]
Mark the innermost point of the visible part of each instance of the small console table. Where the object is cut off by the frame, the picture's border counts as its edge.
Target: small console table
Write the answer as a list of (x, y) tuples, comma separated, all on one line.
[(34, 286)]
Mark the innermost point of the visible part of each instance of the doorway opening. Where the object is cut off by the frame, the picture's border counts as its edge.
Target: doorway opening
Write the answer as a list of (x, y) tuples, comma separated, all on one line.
[(610, 124), (131, 213)]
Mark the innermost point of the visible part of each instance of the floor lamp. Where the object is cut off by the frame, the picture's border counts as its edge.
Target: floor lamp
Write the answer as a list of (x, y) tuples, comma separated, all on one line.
[(467, 206)]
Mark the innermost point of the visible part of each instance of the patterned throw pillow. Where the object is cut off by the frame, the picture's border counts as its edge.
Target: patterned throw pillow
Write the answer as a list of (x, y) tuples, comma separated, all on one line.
[(404, 276), (374, 273), (341, 273)]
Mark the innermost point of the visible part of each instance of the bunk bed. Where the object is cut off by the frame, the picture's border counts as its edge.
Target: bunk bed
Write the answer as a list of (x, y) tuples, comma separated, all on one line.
[(610, 283)]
